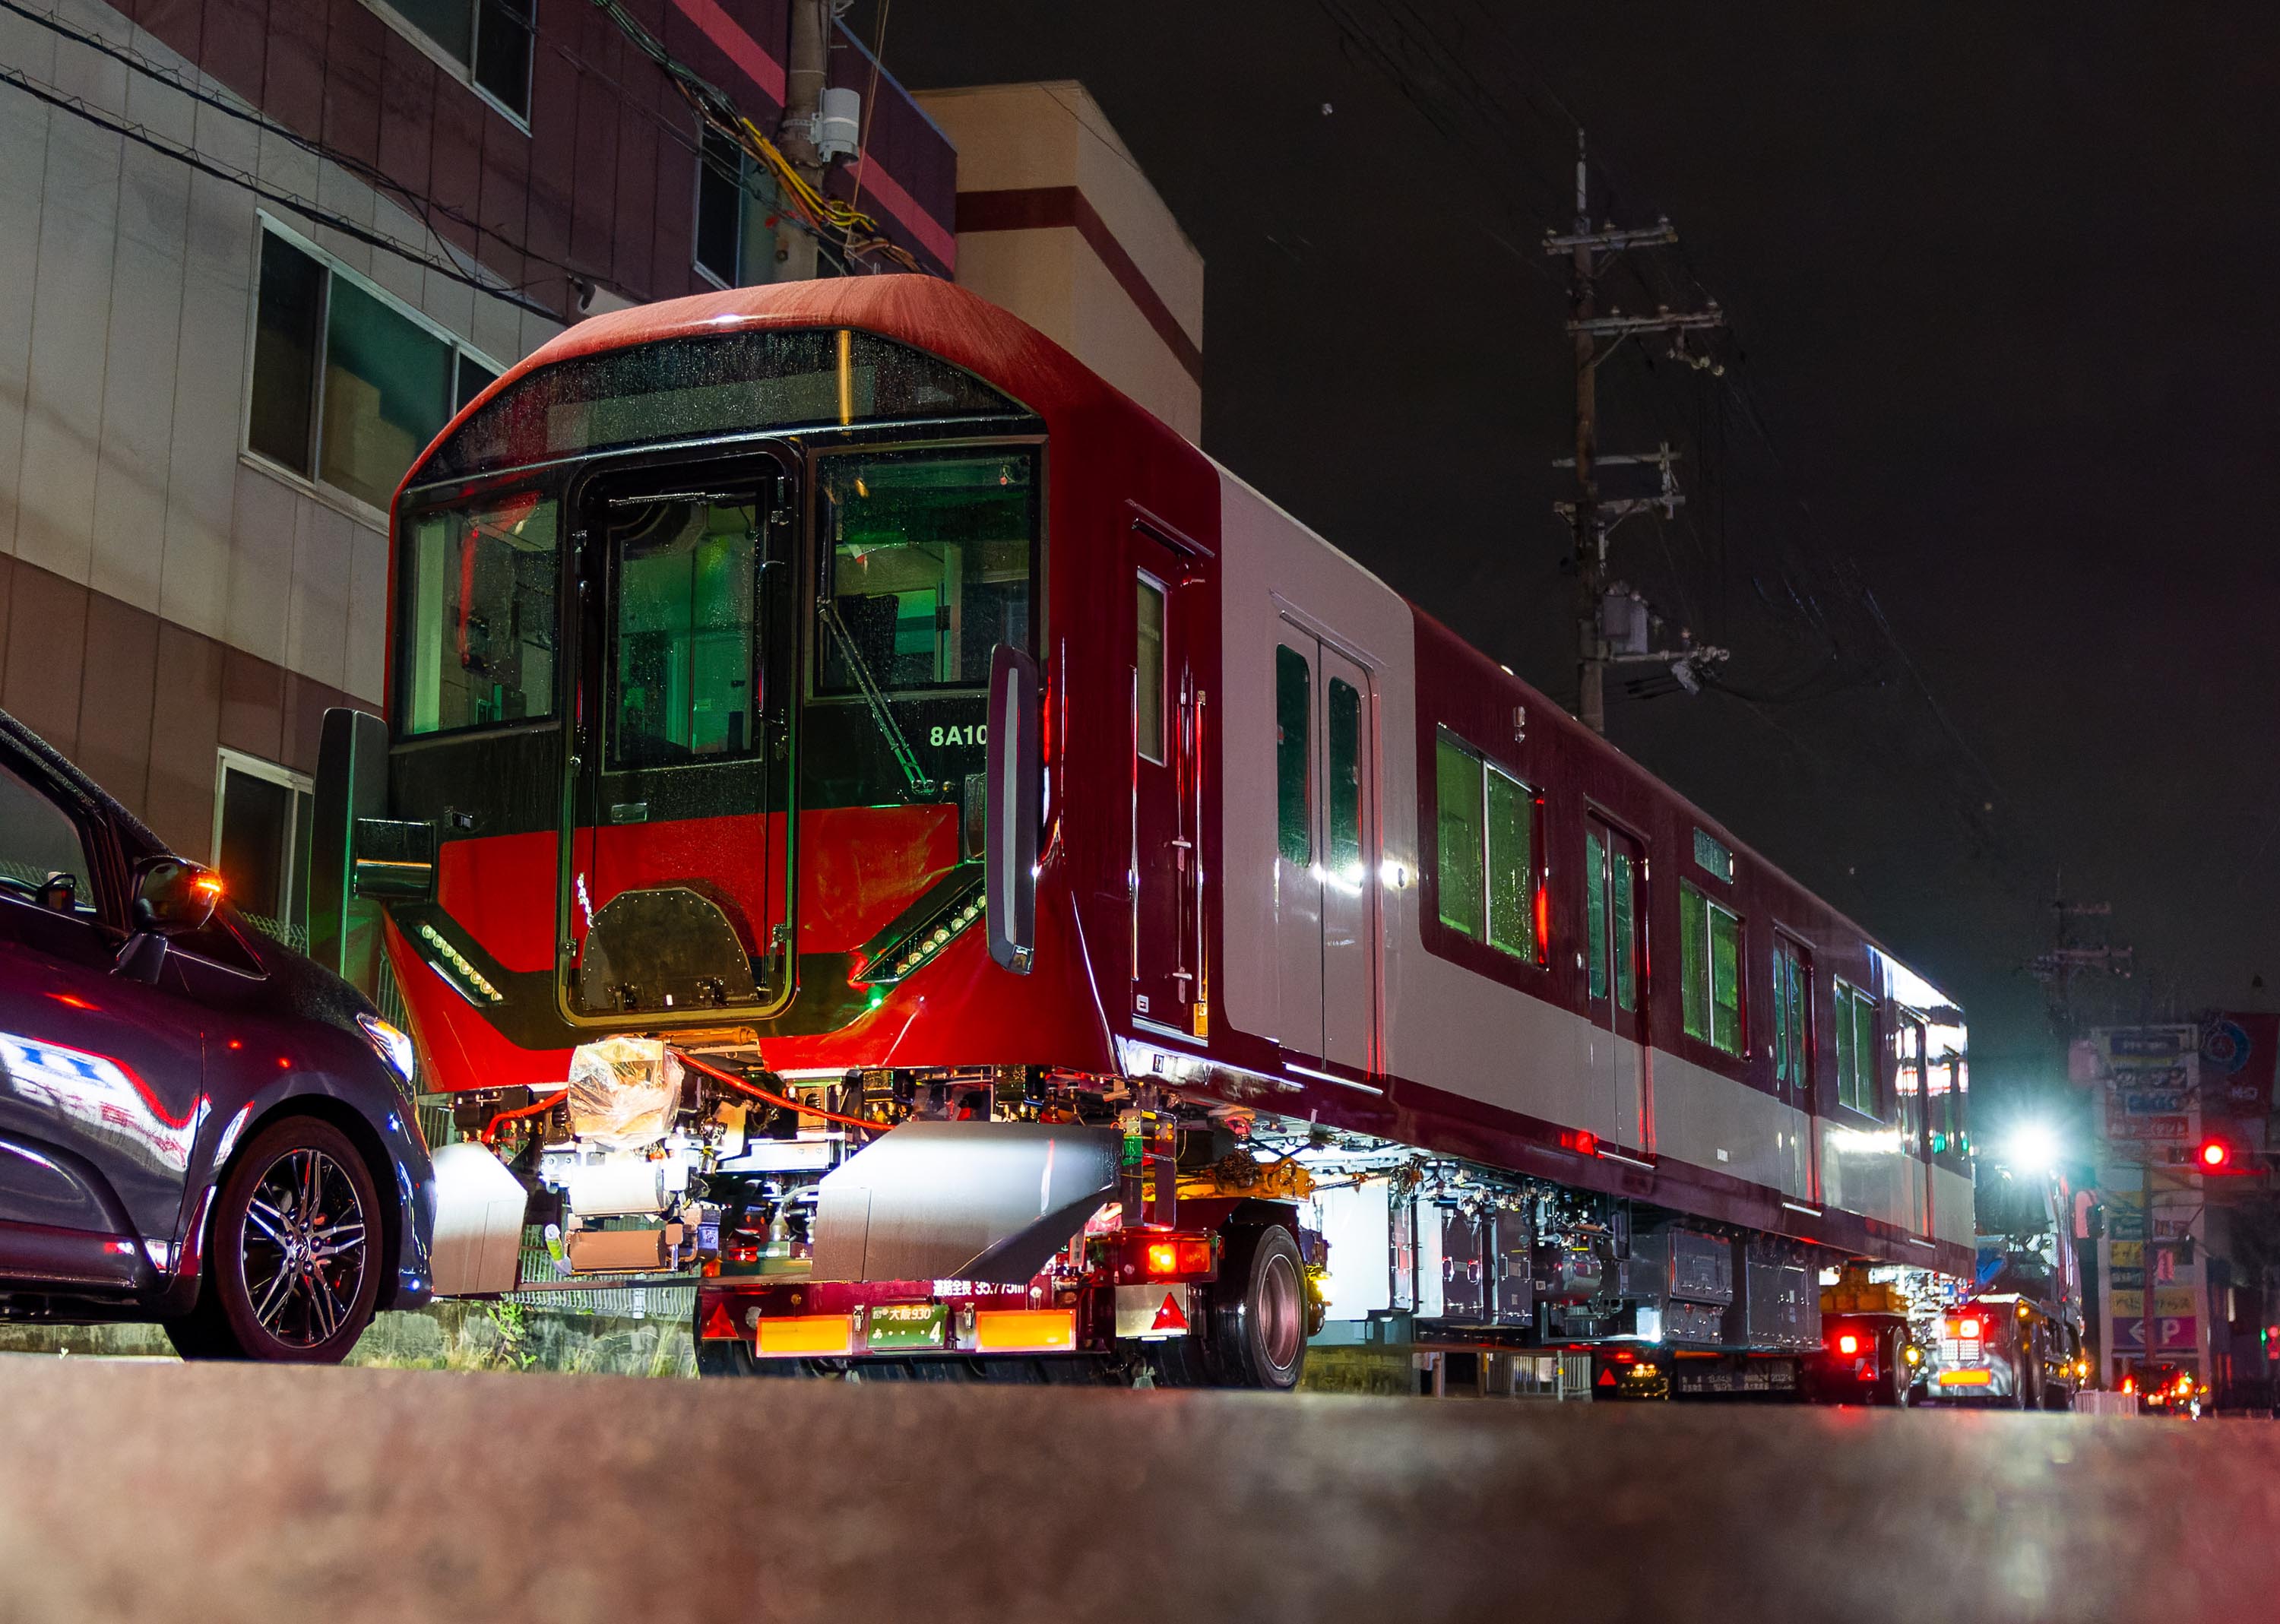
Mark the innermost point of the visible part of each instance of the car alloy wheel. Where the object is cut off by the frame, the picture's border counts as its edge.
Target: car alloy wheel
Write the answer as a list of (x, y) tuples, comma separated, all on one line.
[(302, 1252)]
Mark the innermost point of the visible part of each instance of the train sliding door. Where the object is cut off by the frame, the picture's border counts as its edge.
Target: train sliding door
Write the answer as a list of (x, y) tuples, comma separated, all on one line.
[(1325, 835), (1616, 914), (678, 899), (1168, 715)]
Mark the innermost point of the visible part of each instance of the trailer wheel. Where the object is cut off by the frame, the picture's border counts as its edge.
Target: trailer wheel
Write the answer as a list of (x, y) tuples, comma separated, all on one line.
[(1259, 1310)]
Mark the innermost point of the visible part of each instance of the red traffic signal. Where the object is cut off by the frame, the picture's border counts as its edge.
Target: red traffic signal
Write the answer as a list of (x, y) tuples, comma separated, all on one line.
[(2214, 1155)]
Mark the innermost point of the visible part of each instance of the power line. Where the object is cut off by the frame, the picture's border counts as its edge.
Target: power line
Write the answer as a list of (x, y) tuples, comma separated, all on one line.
[(62, 101)]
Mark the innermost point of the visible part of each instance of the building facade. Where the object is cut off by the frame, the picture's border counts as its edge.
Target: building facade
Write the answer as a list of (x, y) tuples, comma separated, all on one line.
[(255, 253)]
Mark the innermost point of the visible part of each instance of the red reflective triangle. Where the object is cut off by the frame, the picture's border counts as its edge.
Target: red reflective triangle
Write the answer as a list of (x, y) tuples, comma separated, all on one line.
[(1168, 1318), (1607, 1378), (718, 1323)]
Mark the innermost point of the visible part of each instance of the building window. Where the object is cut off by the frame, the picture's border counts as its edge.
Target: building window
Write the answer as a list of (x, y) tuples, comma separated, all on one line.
[(735, 211), (1488, 870), (262, 827), (1294, 797), (1710, 970), (348, 386), (1858, 1079), (487, 40)]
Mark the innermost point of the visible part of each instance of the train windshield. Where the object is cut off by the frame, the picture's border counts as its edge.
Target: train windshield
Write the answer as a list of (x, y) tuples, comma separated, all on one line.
[(476, 622), (689, 388), (929, 559)]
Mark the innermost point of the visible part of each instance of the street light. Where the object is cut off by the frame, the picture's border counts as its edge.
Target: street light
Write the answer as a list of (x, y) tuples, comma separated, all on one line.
[(2032, 1149)]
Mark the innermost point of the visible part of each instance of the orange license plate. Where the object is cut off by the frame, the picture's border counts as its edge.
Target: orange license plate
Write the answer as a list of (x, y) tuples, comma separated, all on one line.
[(812, 1335), (1025, 1330), (1965, 1378)]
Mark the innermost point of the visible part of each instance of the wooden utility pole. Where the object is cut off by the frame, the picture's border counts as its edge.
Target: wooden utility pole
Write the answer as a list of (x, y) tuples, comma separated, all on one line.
[(1590, 518)]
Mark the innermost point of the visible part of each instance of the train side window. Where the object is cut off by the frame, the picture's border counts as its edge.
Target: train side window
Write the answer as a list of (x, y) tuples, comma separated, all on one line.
[(1458, 787), (1346, 782), (1148, 671), (1710, 965), (1294, 756), (1512, 865), (1858, 1084)]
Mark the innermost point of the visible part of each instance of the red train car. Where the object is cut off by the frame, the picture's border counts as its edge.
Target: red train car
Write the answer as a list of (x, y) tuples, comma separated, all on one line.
[(833, 706)]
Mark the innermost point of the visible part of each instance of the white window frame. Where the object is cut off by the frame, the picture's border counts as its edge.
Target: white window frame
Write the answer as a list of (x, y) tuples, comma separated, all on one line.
[(264, 223), (228, 761), (464, 72)]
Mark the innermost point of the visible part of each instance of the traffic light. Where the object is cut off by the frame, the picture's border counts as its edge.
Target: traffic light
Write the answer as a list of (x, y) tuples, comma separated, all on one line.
[(2214, 1156)]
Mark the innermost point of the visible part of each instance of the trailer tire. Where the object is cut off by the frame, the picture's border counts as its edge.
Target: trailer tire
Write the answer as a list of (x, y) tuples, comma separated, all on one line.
[(1259, 1309)]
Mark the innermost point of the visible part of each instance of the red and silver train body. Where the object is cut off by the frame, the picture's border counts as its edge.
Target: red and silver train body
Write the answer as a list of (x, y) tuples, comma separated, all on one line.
[(867, 812)]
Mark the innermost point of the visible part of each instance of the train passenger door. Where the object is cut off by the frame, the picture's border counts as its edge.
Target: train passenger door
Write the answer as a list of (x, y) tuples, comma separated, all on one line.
[(1915, 1133), (1325, 850), (1614, 915), (679, 896), (1793, 1053), (1169, 713)]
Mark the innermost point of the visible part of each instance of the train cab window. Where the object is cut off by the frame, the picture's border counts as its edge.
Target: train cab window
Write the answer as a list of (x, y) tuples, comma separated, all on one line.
[(1710, 969), (1858, 1075), (685, 673), (929, 558), (1148, 672), (1294, 756), (1344, 702), (476, 627)]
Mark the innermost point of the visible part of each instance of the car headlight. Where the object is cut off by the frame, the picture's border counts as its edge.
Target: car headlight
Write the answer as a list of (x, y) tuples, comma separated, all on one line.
[(393, 1046)]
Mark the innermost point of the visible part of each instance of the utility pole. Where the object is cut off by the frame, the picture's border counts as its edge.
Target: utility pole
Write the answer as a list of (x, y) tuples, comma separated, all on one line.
[(1589, 516), (804, 79)]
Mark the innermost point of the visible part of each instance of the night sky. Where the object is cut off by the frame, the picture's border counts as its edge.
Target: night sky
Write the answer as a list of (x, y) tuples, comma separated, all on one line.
[(1979, 506)]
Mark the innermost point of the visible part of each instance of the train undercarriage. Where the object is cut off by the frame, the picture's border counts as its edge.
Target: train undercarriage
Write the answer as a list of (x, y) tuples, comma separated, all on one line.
[(1021, 1224)]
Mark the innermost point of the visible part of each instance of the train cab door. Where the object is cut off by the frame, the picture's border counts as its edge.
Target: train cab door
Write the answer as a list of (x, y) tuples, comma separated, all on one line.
[(1169, 712), (1325, 841), (678, 896), (1615, 915)]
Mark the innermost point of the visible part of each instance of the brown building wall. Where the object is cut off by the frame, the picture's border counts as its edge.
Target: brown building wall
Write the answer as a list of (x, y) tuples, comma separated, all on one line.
[(142, 705)]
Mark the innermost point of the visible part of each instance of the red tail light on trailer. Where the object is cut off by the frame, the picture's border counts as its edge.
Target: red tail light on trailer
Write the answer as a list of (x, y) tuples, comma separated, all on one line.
[(1848, 1343)]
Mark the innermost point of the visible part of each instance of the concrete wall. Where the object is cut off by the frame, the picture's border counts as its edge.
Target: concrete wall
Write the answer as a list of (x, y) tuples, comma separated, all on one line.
[(1057, 223)]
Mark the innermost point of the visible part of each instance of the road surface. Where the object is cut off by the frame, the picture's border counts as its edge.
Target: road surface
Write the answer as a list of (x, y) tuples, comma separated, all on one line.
[(162, 1492)]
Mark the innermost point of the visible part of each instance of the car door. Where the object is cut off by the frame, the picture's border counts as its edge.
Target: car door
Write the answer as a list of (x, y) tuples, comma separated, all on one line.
[(101, 1074), (1169, 709)]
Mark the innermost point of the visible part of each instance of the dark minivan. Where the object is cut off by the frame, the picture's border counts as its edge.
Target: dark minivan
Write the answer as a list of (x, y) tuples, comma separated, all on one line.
[(198, 1126)]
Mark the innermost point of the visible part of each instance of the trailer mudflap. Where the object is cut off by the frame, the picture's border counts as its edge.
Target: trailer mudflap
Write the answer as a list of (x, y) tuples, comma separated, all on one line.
[(479, 1212), (979, 1201)]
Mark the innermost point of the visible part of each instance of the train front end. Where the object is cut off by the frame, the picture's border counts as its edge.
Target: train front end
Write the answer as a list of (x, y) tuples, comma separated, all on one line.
[(701, 841)]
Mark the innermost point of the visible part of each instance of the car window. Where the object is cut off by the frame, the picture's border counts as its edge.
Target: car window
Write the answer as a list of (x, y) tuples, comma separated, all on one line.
[(39, 842)]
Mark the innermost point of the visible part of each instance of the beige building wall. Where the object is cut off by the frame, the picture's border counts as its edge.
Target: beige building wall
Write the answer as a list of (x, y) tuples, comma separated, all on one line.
[(1057, 223), (167, 594)]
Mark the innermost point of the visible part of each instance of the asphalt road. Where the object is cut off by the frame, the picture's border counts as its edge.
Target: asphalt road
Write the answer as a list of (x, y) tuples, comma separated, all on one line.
[(157, 1491)]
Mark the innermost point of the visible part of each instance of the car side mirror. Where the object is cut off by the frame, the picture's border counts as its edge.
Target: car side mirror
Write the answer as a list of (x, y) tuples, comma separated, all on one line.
[(1015, 799), (172, 897)]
